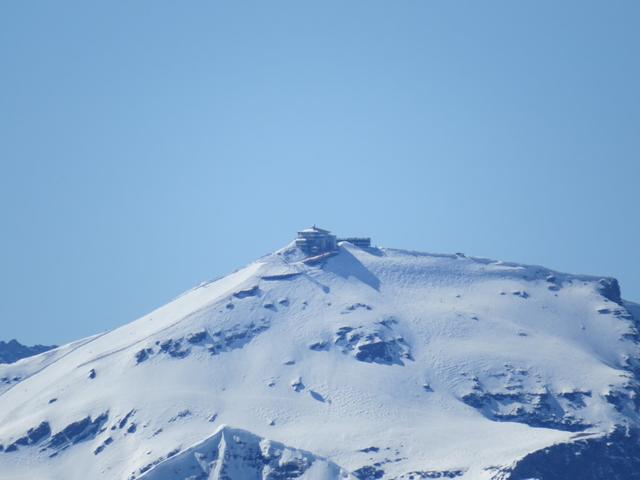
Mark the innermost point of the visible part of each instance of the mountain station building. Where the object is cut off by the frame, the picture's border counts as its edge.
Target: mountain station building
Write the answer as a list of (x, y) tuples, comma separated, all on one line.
[(316, 240)]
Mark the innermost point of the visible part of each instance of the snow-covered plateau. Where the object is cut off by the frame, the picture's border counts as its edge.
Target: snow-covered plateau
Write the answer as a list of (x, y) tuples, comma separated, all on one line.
[(364, 363)]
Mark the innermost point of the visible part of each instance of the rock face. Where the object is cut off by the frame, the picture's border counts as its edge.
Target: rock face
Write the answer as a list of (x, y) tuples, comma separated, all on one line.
[(12, 351), (78, 431), (615, 457), (377, 343), (363, 364)]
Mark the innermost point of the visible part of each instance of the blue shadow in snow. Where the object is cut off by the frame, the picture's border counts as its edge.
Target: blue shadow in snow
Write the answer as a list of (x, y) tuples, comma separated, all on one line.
[(345, 265)]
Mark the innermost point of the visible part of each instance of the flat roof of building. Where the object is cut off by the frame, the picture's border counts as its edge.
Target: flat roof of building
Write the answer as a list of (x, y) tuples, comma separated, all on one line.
[(314, 229)]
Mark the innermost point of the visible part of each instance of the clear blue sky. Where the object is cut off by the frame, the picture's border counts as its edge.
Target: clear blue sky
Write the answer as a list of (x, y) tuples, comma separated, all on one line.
[(147, 146)]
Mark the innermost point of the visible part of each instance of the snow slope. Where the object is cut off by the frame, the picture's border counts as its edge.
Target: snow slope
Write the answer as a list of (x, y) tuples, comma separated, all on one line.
[(12, 373), (370, 363)]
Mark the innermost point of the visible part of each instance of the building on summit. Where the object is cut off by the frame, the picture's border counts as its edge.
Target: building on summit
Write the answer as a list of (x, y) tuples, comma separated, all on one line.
[(362, 242), (315, 241)]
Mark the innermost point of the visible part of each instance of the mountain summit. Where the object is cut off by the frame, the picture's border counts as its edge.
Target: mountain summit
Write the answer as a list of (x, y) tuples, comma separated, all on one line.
[(338, 360)]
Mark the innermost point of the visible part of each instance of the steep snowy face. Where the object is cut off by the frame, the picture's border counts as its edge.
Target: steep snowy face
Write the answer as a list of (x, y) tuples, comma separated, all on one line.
[(359, 363)]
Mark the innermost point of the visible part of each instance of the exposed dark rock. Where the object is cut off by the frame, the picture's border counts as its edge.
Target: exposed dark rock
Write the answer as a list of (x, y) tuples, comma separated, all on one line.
[(356, 306), (368, 472), (610, 288), (149, 466), (179, 415), (373, 345), (39, 433), (12, 351), (319, 346), (216, 342), (33, 436), (627, 397), (143, 355), (533, 409), (174, 348), (103, 445), (173, 452), (376, 343), (370, 450), (236, 337), (612, 457), (249, 292), (79, 431), (123, 422), (297, 384), (197, 337), (388, 322), (380, 351)]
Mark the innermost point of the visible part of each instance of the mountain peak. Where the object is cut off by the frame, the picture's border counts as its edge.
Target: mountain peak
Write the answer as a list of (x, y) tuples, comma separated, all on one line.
[(379, 362)]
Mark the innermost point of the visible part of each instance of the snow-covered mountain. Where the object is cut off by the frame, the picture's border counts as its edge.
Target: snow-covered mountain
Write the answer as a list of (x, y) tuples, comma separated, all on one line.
[(12, 351), (362, 363)]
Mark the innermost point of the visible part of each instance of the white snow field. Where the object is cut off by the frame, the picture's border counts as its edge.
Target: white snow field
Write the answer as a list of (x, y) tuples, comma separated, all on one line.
[(368, 363)]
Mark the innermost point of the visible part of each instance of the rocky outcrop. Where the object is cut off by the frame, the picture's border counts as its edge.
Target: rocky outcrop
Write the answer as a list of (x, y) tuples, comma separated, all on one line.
[(613, 457)]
